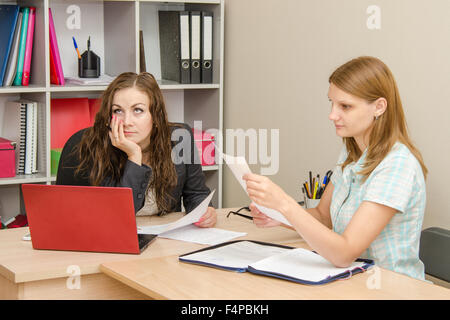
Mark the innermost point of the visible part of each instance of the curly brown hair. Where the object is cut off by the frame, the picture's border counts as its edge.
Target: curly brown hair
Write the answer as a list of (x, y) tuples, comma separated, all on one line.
[(101, 159)]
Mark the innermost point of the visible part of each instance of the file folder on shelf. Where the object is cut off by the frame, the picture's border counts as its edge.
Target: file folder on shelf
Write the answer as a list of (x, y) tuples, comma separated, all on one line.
[(174, 45), (8, 21), (22, 44), (54, 52), (11, 67), (185, 48), (29, 47), (207, 49), (195, 47)]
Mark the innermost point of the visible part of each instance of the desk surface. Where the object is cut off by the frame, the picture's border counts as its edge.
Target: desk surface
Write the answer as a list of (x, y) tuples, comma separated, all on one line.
[(167, 278), (158, 274), (19, 262)]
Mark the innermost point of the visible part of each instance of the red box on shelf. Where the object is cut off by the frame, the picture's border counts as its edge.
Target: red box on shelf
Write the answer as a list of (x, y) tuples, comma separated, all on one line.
[(7, 159), (205, 146)]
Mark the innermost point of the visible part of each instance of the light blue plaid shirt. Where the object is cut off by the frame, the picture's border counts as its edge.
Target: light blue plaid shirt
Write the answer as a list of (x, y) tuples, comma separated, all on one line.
[(397, 182)]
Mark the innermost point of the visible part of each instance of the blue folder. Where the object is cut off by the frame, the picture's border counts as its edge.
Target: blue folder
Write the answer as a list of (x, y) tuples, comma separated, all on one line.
[(8, 21)]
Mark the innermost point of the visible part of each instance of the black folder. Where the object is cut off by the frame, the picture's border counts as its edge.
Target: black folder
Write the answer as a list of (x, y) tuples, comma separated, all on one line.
[(207, 47), (195, 46), (174, 45)]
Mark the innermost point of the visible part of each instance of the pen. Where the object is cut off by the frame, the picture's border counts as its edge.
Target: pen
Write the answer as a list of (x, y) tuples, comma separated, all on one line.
[(76, 47), (315, 190), (329, 173), (307, 189), (324, 183), (304, 195), (88, 53), (310, 181)]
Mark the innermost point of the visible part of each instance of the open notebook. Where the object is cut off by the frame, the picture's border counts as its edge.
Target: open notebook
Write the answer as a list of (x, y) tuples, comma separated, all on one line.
[(293, 264)]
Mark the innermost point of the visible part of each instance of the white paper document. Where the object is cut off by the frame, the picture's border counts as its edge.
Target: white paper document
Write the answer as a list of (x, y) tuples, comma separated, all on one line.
[(301, 264), (236, 255), (184, 230), (239, 167), (210, 236), (188, 219)]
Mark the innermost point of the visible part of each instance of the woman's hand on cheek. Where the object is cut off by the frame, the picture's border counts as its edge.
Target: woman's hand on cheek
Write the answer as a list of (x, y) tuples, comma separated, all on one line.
[(118, 140)]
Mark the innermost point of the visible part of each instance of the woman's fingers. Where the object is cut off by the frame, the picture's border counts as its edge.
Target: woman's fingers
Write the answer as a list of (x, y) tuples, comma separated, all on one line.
[(208, 220)]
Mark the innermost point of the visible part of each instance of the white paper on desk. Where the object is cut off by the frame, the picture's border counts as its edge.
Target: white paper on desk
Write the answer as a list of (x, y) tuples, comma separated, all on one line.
[(188, 219), (302, 264), (239, 167), (211, 236), (153, 229), (236, 255)]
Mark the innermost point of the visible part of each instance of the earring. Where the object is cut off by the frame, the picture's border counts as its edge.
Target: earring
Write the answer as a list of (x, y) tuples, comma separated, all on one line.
[(377, 117)]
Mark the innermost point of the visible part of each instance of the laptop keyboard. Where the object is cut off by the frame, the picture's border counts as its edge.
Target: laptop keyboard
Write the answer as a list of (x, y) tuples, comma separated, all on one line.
[(142, 242)]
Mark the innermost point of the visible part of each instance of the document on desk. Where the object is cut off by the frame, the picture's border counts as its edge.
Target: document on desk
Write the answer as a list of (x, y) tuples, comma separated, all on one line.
[(210, 236), (236, 256), (272, 260), (184, 230), (239, 167), (301, 264), (188, 219)]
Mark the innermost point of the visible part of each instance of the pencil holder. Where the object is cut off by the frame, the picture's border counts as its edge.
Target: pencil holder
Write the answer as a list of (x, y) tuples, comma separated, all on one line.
[(89, 65), (311, 203)]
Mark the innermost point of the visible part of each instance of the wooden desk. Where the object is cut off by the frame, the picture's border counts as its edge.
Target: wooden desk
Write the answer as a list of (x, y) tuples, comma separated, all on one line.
[(167, 278), (26, 273)]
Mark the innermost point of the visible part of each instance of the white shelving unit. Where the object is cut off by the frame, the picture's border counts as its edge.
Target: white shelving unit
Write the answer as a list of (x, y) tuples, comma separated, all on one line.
[(114, 30)]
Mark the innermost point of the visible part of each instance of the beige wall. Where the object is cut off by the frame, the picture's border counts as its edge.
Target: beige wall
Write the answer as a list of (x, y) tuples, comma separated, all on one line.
[(279, 54)]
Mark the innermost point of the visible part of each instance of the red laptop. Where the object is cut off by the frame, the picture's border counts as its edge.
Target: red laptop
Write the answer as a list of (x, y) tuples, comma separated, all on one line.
[(75, 218)]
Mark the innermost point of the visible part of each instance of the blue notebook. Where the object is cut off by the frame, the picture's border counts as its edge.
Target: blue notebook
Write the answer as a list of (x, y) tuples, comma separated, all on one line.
[(8, 21), (272, 260)]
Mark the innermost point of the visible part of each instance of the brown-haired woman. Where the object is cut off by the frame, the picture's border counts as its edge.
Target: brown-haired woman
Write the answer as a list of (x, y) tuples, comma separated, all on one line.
[(374, 205), (130, 145)]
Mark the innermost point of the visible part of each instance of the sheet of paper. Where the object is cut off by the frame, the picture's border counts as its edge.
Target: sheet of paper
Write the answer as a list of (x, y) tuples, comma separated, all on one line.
[(239, 167), (236, 255), (301, 264), (104, 79), (153, 229), (188, 219), (211, 236)]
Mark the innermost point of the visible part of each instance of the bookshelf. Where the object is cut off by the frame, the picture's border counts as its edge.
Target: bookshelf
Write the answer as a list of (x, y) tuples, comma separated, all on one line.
[(114, 30)]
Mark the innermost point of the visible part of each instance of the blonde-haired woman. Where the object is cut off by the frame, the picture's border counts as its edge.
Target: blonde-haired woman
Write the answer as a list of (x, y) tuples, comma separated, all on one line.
[(374, 205)]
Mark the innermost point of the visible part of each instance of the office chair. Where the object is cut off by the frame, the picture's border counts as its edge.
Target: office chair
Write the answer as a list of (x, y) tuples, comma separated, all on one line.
[(434, 252)]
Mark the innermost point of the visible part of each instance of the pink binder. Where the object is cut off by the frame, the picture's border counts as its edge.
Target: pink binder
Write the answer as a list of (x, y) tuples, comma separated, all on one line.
[(54, 49), (28, 47)]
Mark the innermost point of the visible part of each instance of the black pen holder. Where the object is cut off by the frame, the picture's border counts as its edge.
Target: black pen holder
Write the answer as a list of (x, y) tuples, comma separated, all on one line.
[(89, 65)]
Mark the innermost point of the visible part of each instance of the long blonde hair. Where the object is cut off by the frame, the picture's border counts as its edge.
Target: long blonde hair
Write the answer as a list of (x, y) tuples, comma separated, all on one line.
[(369, 78)]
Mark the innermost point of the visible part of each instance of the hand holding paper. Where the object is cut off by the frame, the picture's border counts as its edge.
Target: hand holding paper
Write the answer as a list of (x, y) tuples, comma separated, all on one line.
[(239, 167), (183, 228)]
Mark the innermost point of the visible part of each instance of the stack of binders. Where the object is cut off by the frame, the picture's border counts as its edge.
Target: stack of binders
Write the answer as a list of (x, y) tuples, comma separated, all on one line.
[(16, 44), (186, 46)]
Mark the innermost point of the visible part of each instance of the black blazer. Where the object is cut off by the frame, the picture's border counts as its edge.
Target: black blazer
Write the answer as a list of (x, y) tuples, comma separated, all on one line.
[(191, 179)]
